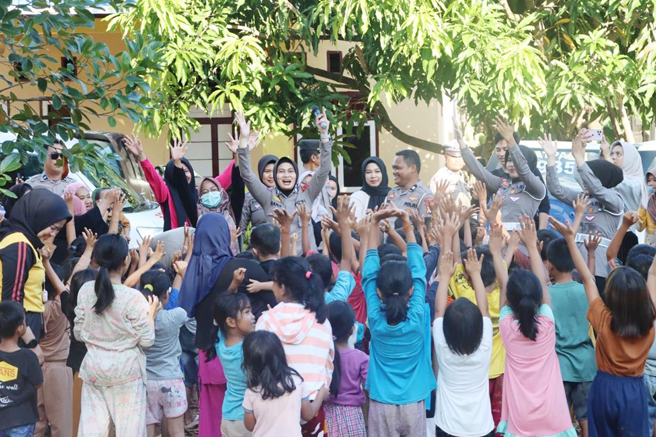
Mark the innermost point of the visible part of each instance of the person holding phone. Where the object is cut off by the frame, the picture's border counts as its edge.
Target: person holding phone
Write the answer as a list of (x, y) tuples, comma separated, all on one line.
[(55, 171), (632, 189)]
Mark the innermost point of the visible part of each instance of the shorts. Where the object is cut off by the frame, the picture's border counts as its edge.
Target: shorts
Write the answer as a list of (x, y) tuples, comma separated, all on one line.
[(165, 399), (234, 428), (18, 431), (577, 394), (650, 385)]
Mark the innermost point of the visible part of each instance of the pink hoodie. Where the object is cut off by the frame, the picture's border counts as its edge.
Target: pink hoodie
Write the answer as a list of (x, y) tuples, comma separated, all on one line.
[(308, 344)]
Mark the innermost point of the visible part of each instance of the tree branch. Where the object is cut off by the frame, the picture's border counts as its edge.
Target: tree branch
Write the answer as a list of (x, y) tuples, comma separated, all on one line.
[(347, 82), (626, 123), (386, 122)]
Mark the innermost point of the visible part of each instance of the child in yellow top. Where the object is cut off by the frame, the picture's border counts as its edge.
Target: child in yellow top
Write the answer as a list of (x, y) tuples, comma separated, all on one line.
[(647, 216)]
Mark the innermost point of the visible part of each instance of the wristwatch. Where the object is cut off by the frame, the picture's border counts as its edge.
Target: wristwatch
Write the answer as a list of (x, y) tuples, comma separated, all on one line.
[(32, 344), (324, 136)]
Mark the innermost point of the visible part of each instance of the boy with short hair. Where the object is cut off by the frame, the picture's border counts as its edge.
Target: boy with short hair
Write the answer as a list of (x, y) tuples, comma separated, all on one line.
[(574, 347), (20, 375)]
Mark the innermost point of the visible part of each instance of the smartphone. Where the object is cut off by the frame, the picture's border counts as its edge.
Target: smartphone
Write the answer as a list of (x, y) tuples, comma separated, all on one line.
[(596, 134)]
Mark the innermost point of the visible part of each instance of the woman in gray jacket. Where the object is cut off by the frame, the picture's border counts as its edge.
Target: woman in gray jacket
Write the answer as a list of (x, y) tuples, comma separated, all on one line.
[(286, 194)]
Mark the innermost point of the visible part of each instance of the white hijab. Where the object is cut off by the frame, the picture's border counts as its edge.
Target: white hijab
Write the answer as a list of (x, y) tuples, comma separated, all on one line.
[(632, 189)]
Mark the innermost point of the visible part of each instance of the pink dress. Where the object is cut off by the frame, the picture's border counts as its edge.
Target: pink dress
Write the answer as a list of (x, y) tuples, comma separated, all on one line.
[(534, 402)]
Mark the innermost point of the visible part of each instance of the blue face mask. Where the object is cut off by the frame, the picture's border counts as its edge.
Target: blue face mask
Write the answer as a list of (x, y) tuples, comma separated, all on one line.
[(650, 190), (211, 200)]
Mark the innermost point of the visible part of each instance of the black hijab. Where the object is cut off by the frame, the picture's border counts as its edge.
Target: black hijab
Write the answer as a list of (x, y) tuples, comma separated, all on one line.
[(34, 212), (608, 173), (183, 193), (334, 201), (19, 190), (285, 160), (531, 159), (377, 194), (264, 161)]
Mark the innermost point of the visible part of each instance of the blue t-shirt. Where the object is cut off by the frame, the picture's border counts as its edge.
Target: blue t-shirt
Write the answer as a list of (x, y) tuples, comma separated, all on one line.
[(400, 369), (231, 359), (342, 289), (576, 353)]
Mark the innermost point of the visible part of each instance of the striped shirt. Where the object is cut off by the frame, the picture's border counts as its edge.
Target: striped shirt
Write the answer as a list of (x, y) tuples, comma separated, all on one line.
[(308, 344)]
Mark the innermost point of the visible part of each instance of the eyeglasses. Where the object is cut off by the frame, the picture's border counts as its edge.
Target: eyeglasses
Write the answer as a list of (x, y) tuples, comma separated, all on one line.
[(56, 155)]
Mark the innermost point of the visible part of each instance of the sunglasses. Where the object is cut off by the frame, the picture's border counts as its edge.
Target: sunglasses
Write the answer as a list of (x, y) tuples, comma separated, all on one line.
[(56, 155)]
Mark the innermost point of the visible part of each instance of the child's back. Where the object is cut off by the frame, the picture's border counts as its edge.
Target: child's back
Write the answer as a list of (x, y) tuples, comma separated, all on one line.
[(163, 357), (20, 372)]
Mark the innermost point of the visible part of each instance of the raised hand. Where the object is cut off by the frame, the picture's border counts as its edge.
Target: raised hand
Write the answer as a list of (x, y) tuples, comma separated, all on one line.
[(145, 245), (304, 214), (329, 223), (480, 190), (450, 227), (234, 234), (238, 276), (457, 130), (442, 187), (283, 217), (233, 144), (68, 198), (255, 286), (342, 213), (581, 204), (244, 128), (119, 203), (322, 118), (473, 264), (481, 233), (563, 229), (159, 252), (363, 226), (253, 139), (630, 218), (495, 206), (467, 213), (178, 150), (593, 241), (134, 146), (550, 148), (496, 239), (180, 268), (505, 129), (447, 266), (605, 148), (153, 306), (385, 226), (528, 233), (90, 238)]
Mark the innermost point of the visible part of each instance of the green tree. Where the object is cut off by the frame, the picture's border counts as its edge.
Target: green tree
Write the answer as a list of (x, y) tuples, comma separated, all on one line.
[(546, 65), (34, 36)]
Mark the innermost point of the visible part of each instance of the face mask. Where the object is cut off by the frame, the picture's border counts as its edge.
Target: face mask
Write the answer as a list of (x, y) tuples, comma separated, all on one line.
[(211, 200), (650, 190)]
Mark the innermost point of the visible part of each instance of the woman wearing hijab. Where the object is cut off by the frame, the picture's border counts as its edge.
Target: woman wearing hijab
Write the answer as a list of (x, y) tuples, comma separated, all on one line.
[(597, 178), (647, 216), (632, 189), (524, 191), (209, 274), (253, 212), (213, 198), (35, 220), (287, 194), (374, 187)]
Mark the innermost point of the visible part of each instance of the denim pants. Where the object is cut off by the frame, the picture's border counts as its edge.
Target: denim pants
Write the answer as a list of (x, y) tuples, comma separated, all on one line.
[(189, 357)]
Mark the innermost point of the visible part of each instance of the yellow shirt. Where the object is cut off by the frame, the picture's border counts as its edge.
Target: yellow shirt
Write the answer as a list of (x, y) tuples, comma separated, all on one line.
[(33, 288), (646, 223), (459, 286)]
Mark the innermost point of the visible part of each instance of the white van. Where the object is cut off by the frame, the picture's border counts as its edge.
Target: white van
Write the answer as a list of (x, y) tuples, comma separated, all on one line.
[(141, 210)]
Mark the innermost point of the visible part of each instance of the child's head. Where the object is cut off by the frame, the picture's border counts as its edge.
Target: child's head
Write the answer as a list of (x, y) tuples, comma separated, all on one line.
[(487, 268), (112, 256), (401, 233), (77, 247), (463, 327), (393, 257), (232, 313), (156, 283), (49, 286), (342, 320), (335, 243), (524, 293), (322, 266), (12, 320), (640, 263), (265, 365), (77, 281), (641, 249), (265, 240), (387, 249), (628, 300), (559, 258), (546, 236), (394, 287), (294, 281)]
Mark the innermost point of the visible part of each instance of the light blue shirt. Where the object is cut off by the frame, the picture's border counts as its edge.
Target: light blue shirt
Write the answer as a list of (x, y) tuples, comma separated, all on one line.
[(231, 359), (342, 289), (400, 369)]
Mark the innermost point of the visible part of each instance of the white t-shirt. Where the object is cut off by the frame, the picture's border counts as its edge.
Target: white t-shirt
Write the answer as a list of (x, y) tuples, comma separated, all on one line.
[(463, 398), (280, 416)]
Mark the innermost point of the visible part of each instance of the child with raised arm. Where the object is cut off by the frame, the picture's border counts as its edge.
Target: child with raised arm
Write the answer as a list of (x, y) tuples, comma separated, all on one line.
[(534, 402), (400, 374), (462, 335), (624, 323)]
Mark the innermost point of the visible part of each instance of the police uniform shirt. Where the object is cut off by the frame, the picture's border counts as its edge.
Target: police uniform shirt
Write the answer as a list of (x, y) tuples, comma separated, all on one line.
[(41, 180), (418, 197)]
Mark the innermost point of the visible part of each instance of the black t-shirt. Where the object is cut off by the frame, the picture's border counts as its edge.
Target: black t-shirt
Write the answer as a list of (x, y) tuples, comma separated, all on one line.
[(19, 373)]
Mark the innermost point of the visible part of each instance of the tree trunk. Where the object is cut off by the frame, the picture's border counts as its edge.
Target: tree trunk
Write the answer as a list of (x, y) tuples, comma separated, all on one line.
[(626, 123), (613, 118)]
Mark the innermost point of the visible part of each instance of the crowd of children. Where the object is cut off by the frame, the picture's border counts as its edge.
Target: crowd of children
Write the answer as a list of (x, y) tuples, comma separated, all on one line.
[(397, 327)]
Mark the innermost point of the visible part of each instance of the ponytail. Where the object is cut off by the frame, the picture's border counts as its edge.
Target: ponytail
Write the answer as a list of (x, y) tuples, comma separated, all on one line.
[(394, 283), (104, 291), (110, 253), (301, 284), (524, 293)]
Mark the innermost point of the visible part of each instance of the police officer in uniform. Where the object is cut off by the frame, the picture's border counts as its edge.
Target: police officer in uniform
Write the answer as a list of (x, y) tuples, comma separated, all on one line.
[(410, 194), (55, 171)]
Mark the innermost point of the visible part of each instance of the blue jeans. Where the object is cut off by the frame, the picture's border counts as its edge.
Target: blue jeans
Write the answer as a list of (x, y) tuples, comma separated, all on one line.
[(650, 384), (189, 357), (18, 431)]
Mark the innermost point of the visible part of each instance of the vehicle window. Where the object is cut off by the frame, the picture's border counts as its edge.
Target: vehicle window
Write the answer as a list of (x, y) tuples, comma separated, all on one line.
[(648, 160)]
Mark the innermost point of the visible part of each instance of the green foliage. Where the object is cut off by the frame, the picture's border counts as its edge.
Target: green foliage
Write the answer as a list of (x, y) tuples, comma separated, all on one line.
[(34, 36)]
